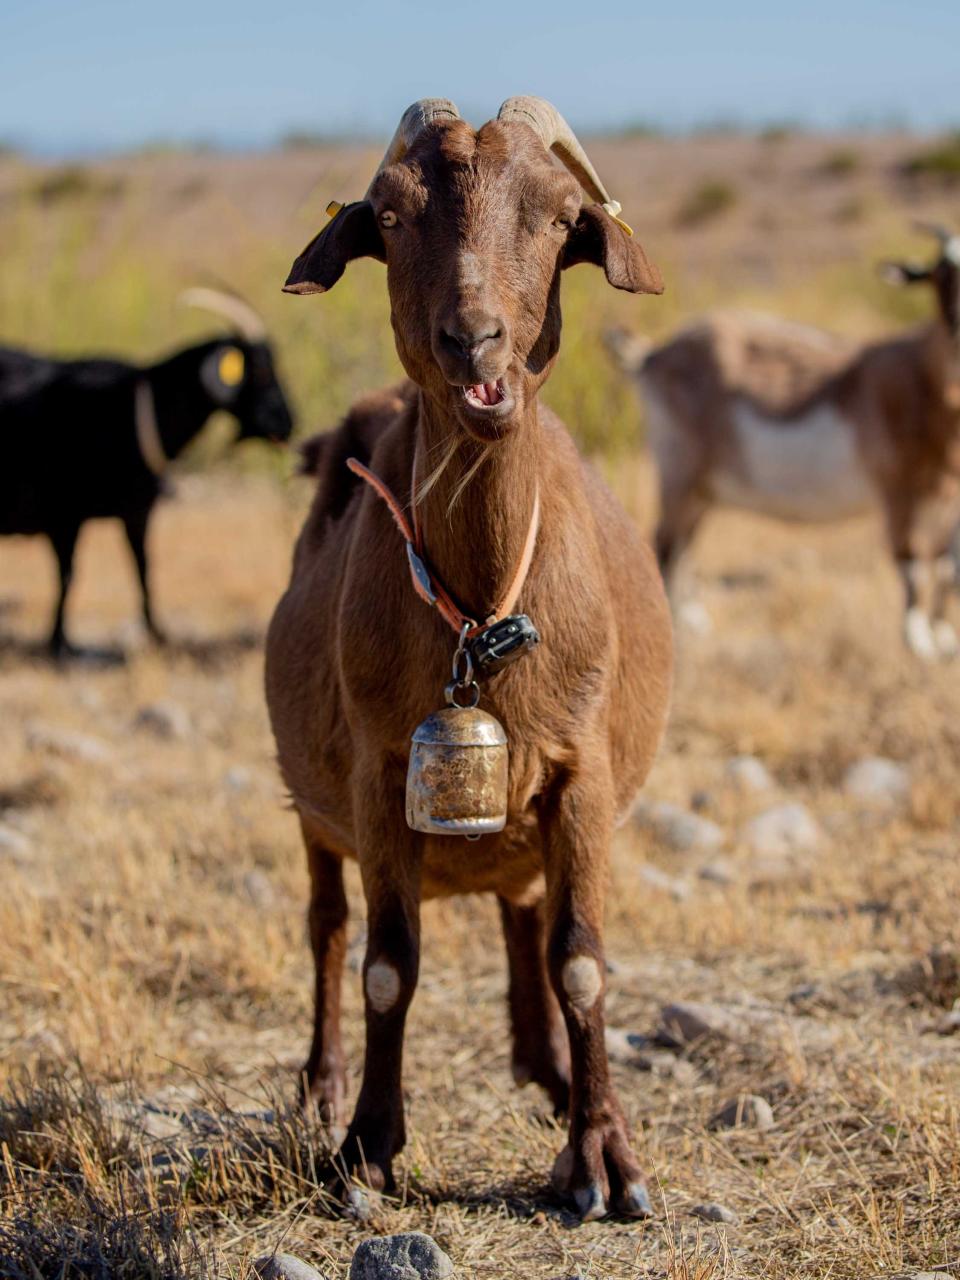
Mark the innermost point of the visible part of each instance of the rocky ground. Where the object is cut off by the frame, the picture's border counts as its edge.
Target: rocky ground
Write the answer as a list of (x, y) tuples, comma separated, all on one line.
[(782, 930)]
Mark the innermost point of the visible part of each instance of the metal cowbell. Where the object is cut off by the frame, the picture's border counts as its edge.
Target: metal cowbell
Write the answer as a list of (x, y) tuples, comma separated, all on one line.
[(457, 775)]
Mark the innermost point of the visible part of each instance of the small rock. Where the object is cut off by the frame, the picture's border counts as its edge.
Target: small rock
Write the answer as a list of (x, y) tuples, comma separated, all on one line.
[(693, 616), (257, 887), (284, 1266), (624, 1046), (748, 1111), (714, 1213), (877, 783), (748, 775), (409, 1256), (14, 845), (686, 1022), (949, 1024), (45, 1044), (67, 743), (678, 889), (718, 871), (164, 720), (782, 831), (679, 830)]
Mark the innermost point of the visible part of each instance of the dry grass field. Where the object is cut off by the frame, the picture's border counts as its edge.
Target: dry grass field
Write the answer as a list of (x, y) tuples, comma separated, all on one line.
[(154, 971)]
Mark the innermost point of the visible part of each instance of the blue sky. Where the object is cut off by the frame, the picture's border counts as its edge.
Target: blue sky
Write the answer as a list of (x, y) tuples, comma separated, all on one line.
[(92, 74)]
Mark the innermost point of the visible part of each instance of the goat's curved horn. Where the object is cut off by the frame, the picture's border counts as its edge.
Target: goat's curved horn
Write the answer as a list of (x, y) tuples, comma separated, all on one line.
[(413, 121), (935, 229), (240, 314), (557, 136)]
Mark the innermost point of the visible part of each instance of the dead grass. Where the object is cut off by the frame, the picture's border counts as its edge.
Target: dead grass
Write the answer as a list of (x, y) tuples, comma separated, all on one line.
[(154, 971)]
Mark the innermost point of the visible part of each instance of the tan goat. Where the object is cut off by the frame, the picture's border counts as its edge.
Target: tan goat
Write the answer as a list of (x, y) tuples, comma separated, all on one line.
[(754, 412), (474, 227)]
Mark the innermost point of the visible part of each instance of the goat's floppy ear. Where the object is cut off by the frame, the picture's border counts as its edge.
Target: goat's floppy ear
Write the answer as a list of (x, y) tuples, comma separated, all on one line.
[(351, 233), (902, 273), (602, 240), (222, 374)]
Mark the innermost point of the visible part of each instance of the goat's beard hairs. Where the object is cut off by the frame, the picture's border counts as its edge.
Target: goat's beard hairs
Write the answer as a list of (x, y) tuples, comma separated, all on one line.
[(449, 448)]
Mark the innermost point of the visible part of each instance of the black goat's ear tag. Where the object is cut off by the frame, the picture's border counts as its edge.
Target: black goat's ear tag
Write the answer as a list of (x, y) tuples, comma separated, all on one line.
[(222, 373)]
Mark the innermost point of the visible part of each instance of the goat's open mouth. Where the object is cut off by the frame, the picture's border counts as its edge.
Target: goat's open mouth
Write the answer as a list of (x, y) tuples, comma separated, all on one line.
[(485, 395)]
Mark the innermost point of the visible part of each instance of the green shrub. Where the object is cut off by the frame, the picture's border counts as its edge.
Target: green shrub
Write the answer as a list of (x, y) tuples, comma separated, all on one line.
[(841, 163), (71, 182), (706, 201), (941, 161)]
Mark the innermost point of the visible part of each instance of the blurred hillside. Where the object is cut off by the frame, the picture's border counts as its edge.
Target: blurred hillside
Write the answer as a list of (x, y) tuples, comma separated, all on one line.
[(95, 254)]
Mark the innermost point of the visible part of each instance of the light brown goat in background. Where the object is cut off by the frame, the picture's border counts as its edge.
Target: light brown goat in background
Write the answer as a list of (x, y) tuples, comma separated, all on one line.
[(754, 412), (475, 228)]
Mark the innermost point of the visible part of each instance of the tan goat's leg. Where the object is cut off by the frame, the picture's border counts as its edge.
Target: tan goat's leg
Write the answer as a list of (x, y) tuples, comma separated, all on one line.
[(323, 1074), (390, 864), (919, 588), (944, 633), (597, 1168), (541, 1049)]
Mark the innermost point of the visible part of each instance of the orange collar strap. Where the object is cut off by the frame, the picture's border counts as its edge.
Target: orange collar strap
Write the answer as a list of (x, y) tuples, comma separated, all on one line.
[(426, 583)]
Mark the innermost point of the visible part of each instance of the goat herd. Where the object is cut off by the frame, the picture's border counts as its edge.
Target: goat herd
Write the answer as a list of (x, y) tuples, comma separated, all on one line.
[(459, 489)]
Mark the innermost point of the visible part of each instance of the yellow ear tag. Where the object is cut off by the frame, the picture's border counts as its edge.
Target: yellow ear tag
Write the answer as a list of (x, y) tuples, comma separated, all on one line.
[(620, 223), (230, 368), (333, 208)]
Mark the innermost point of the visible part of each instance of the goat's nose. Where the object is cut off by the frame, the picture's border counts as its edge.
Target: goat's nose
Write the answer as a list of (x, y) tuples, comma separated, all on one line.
[(464, 337)]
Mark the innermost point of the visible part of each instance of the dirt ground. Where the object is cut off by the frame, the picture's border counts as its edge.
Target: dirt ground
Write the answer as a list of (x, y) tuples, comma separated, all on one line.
[(155, 977)]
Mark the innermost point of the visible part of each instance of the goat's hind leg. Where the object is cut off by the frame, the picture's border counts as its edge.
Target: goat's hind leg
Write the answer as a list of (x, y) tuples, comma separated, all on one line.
[(323, 1080), (541, 1049)]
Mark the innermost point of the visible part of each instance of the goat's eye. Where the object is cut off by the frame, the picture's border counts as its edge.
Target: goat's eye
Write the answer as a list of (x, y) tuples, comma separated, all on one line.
[(388, 218), (564, 222)]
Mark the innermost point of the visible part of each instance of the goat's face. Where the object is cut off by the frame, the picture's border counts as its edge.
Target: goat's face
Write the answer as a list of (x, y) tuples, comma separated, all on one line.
[(944, 276), (258, 402), (475, 228)]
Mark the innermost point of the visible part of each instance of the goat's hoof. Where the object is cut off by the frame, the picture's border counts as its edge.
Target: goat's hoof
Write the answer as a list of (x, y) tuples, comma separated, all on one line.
[(590, 1203), (360, 1203), (634, 1202)]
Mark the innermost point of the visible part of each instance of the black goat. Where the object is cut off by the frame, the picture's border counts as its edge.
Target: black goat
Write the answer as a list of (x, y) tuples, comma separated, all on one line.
[(90, 439)]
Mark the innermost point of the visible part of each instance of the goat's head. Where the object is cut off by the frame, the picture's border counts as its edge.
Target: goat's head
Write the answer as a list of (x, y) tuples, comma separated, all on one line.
[(943, 274), (239, 374), (475, 227)]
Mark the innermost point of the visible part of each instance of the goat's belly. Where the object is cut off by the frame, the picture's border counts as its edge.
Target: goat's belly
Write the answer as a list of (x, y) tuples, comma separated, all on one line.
[(509, 864), (807, 469)]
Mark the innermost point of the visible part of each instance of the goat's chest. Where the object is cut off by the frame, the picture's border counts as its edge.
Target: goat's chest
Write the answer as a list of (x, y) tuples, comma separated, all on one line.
[(808, 468)]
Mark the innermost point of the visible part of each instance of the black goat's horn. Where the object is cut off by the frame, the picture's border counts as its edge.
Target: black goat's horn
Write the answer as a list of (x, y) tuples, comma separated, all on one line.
[(240, 314)]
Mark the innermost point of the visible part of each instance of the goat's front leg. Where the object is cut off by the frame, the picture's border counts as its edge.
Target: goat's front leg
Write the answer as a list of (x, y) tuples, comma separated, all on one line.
[(135, 525), (323, 1078), (390, 856), (597, 1168), (925, 587)]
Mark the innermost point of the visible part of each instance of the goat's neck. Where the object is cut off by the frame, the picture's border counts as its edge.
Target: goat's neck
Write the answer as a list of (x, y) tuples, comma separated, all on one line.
[(475, 539), (181, 402)]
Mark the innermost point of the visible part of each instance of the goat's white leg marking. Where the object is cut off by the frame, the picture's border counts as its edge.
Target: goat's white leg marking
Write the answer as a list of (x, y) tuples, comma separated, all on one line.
[(383, 986), (582, 982), (919, 634), (946, 639)]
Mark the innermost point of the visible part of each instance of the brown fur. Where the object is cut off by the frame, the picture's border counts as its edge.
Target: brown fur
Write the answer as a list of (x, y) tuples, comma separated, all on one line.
[(355, 660), (897, 401)]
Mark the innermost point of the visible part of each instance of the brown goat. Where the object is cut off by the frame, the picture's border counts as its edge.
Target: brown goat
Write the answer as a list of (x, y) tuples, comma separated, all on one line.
[(755, 412), (474, 227)]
